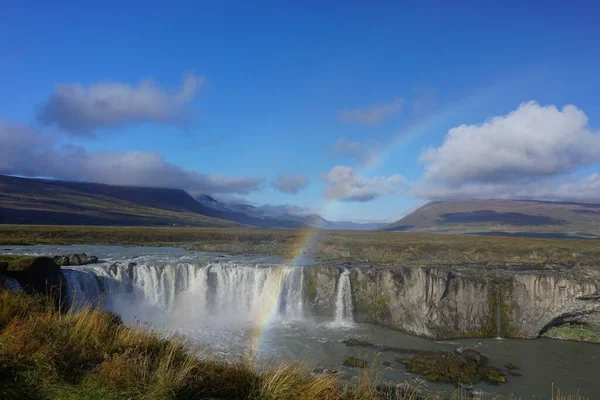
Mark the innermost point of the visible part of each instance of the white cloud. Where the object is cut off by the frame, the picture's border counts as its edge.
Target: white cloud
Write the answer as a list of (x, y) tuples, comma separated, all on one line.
[(372, 115), (29, 153), (363, 152), (530, 142), (81, 110), (533, 152), (290, 183), (343, 184)]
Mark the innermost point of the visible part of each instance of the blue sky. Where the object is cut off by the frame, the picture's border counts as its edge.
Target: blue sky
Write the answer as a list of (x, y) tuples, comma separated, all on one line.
[(341, 102)]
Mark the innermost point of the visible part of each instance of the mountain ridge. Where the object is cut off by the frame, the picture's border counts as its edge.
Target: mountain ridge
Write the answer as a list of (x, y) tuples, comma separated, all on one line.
[(519, 217)]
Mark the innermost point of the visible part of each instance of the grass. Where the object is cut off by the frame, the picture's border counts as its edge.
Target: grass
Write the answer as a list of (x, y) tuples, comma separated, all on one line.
[(90, 354), (17, 263), (385, 248), (580, 332)]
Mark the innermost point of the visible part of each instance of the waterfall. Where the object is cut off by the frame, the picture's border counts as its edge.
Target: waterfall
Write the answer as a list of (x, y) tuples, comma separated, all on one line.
[(82, 288), (343, 302), (180, 293)]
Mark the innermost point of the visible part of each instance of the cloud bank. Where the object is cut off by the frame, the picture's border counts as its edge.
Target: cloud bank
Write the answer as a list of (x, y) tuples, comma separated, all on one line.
[(343, 184), (290, 183), (371, 115), (531, 152), (81, 110), (26, 152)]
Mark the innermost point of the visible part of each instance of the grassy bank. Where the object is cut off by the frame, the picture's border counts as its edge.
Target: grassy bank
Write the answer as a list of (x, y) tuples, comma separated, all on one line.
[(577, 332), (90, 354), (352, 246)]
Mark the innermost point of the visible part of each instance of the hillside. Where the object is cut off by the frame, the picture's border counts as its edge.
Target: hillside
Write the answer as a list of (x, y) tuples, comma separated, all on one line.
[(504, 217), (45, 202)]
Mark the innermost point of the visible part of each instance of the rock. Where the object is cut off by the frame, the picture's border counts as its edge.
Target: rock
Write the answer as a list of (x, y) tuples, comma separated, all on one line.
[(38, 275), (511, 366), (387, 364), (3, 268), (453, 368), (354, 362), (75, 259), (355, 342), (443, 302), (132, 264), (476, 357), (492, 375)]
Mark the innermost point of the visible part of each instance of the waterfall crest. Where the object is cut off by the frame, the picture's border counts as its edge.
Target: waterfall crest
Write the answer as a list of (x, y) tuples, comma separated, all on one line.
[(187, 292)]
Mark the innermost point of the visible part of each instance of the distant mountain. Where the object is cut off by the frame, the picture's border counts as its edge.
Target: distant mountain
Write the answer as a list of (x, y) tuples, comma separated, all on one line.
[(282, 214), (504, 217), (53, 202), (44, 202)]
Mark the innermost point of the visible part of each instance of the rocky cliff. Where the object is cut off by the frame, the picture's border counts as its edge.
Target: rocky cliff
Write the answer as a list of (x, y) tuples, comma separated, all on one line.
[(451, 302)]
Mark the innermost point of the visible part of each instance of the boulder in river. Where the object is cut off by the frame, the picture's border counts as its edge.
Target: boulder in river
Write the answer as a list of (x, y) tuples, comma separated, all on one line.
[(467, 367), (69, 260), (355, 362)]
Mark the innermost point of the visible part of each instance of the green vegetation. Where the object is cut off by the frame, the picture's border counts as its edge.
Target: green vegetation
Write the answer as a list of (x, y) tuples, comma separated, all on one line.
[(17, 263), (453, 368), (91, 355), (354, 362), (581, 332)]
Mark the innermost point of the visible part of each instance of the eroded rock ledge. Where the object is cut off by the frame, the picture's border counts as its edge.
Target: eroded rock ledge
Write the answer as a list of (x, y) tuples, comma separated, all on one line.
[(442, 302)]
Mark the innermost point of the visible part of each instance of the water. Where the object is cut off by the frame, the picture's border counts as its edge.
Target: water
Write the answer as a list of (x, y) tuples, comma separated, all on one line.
[(216, 300), (343, 303)]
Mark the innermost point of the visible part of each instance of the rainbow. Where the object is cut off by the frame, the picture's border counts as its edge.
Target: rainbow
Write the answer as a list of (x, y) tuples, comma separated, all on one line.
[(269, 307)]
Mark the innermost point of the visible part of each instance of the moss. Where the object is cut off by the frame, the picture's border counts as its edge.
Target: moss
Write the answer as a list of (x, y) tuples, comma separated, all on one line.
[(312, 287), (371, 300), (356, 342), (579, 332), (492, 375), (18, 263), (354, 362), (452, 368)]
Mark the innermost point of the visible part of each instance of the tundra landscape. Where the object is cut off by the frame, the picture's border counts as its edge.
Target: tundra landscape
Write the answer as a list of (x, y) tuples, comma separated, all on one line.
[(299, 200)]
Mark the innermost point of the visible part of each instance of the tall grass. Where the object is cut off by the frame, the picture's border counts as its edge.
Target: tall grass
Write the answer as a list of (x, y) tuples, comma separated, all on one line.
[(90, 354)]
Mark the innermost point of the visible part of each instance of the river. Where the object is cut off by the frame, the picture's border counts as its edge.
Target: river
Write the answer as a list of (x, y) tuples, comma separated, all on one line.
[(228, 305)]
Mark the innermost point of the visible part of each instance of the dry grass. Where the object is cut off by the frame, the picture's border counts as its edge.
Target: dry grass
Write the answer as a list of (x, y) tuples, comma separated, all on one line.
[(352, 246), (90, 354)]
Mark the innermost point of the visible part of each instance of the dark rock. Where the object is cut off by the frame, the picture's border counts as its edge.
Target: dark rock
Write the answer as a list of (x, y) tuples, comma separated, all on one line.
[(354, 362), (356, 342), (75, 259), (323, 371), (476, 357), (453, 368), (132, 264), (39, 275), (511, 366), (387, 364), (3, 268)]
